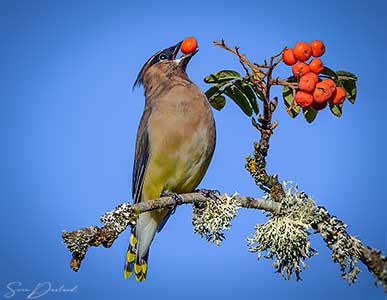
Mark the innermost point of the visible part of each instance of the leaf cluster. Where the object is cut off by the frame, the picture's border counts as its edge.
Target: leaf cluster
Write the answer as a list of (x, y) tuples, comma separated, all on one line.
[(239, 89)]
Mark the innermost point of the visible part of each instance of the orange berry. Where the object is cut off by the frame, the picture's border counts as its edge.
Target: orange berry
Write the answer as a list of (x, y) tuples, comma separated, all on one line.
[(313, 76), (302, 51), (318, 106), (318, 48), (307, 83), (288, 57), (331, 83), (322, 92), (300, 69), (304, 99), (316, 66), (189, 45), (338, 96)]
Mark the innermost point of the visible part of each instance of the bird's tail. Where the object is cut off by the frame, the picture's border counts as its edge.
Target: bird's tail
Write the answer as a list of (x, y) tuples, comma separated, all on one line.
[(138, 250), (131, 254)]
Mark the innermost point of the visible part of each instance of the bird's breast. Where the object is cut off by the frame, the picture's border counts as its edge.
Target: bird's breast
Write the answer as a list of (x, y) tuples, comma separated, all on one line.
[(182, 141)]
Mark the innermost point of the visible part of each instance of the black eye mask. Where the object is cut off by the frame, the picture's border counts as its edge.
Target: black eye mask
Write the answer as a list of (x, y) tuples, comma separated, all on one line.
[(163, 55)]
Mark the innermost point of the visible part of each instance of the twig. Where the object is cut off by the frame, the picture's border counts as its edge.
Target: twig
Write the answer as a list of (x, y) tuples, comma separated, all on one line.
[(241, 57), (277, 81), (257, 165)]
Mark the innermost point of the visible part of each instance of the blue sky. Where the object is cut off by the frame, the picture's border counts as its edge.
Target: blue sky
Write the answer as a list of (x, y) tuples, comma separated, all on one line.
[(68, 125)]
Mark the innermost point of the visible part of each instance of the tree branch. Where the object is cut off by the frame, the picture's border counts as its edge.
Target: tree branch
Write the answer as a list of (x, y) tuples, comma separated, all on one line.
[(342, 243), (117, 220), (331, 229)]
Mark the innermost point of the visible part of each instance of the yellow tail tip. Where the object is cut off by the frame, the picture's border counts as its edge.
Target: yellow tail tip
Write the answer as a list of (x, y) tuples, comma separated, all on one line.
[(127, 274), (140, 278), (140, 271), (130, 256)]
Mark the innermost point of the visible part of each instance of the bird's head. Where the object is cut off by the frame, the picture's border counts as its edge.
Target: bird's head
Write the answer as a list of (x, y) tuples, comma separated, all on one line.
[(164, 63)]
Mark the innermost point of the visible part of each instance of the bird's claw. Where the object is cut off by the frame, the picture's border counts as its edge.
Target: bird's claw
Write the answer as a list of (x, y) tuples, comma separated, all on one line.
[(176, 198)]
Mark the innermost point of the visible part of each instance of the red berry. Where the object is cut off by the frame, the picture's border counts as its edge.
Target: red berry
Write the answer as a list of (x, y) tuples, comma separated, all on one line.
[(300, 69), (322, 92), (338, 96), (331, 83), (316, 66), (302, 51), (288, 57), (304, 99), (307, 83), (189, 45), (318, 48)]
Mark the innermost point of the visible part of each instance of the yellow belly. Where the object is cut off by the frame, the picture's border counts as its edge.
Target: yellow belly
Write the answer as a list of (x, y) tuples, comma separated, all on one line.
[(178, 171)]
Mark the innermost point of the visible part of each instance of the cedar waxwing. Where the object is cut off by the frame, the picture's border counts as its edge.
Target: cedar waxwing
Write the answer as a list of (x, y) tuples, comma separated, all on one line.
[(174, 146)]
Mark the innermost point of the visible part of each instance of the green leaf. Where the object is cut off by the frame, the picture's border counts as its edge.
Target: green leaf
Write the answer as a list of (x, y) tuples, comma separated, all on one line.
[(240, 99), (336, 109), (249, 92), (222, 76), (291, 79), (309, 114), (350, 88), (348, 81), (343, 75), (214, 96), (218, 102), (329, 72), (212, 91), (256, 91), (292, 108)]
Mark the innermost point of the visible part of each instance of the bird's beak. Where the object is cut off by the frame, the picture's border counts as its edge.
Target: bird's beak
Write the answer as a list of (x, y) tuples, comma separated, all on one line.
[(184, 59), (176, 49)]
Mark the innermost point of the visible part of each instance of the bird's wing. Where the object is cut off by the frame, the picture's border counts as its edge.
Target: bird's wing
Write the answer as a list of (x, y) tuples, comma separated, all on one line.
[(141, 156)]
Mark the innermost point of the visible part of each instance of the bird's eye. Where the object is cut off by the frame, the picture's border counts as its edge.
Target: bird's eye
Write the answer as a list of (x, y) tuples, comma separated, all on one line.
[(162, 56)]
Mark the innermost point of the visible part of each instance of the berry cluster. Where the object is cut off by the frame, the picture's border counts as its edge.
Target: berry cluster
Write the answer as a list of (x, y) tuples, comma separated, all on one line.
[(312, 91)]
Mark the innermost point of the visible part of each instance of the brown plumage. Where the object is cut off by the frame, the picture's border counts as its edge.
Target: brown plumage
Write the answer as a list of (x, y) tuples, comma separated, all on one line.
[(175, 143)]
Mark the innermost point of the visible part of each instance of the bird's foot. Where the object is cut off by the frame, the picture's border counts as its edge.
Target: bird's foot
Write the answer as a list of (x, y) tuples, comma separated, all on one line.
[(213, 194), (176, 198)]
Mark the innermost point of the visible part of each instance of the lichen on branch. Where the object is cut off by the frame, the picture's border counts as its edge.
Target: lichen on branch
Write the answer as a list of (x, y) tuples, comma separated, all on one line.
[(116, 221), (285, 235), (212, 218), (346, 249)]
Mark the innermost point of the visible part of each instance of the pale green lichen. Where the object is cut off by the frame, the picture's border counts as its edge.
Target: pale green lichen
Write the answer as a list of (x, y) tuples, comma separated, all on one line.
[(346, 249), (120, 218), (212, 218), (284, 237)]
